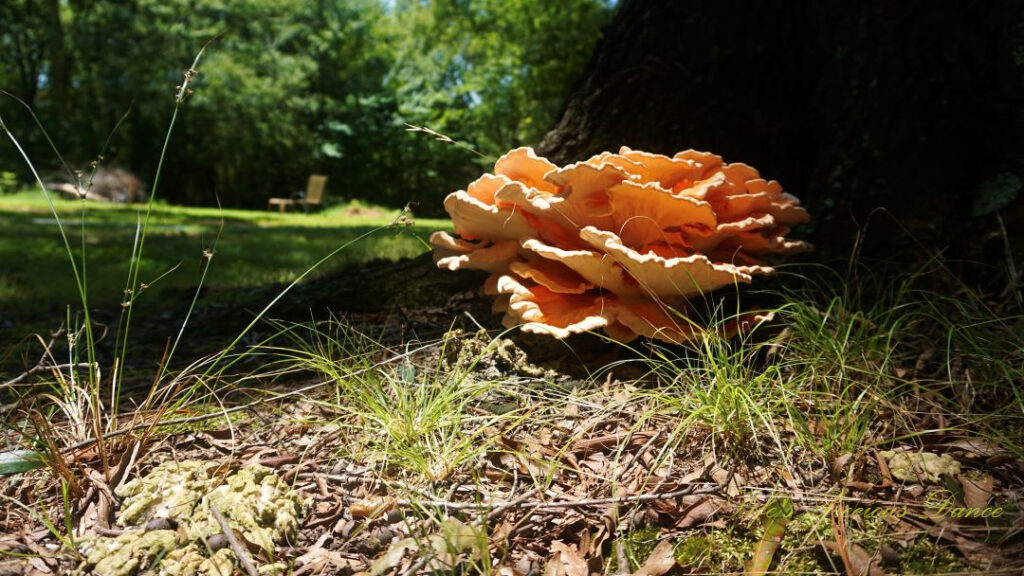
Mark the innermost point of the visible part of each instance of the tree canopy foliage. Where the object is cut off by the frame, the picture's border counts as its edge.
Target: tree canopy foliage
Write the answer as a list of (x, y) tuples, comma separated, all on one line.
[(292, 87)]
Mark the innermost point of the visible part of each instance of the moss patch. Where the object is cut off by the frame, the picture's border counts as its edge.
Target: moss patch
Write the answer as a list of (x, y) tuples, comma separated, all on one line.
[(714, 551), (800, 552), (924, 556)]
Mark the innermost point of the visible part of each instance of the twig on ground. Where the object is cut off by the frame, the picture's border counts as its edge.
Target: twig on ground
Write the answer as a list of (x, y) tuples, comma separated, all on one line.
[(525, 502), (114, 531), (636, 456), (41, 364), (42, 368), (344, 477), (511, 504), (240, 552)]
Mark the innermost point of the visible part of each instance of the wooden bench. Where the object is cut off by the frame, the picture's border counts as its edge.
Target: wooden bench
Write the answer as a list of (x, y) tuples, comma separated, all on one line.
[(313, 196)]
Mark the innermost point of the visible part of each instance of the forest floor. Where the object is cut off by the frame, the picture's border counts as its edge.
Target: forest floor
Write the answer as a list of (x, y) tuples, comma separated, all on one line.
[(872, 427)]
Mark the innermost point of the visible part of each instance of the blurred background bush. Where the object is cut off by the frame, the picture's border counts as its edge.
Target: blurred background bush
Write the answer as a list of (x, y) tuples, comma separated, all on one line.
[(291, 88)]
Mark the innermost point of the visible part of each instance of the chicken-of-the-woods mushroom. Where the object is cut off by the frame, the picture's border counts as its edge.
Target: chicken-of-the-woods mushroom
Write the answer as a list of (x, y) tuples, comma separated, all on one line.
[(619, 242)]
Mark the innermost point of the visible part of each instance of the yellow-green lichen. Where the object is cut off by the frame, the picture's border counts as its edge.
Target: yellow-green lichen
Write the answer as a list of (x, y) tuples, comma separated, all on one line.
[(171, 490), (190, 560), (128, 553), (487, 357), (920, 466), (254, 501), (259, 504)]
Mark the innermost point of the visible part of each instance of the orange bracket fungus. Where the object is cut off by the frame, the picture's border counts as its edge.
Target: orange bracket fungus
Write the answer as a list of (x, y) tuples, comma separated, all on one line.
[(620, 242)]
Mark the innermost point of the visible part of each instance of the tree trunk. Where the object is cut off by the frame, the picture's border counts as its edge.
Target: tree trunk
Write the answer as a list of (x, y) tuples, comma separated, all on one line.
[(59, 73), (908, 106)]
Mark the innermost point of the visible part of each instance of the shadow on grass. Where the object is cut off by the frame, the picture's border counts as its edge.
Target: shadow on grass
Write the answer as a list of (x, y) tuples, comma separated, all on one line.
[(36, 284)]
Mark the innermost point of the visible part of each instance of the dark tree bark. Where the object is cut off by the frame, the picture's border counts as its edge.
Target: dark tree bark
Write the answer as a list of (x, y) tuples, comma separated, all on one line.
[(911, 106), (60, 71), (22, 48), (28, 69)]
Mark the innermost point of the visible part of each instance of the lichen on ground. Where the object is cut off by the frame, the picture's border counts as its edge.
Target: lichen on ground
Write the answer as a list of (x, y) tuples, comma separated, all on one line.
[(257, 502), (171, 490), (920, 466), (190, 559), (487, 357), (254, 501), (128, 553)]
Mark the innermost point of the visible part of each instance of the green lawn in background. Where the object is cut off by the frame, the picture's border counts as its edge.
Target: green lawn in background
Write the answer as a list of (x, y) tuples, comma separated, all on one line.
[(37, 284)]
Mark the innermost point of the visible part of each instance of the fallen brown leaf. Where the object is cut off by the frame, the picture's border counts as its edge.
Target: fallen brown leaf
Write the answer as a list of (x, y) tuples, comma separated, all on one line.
[(860, 563), (979, 446), (372, 507), (698, 512), (565, 561), (660, 561), (977, 493)]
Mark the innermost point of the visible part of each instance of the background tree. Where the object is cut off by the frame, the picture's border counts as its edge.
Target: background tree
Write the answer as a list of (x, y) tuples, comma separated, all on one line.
[(22, 48), (294, 87), (497, 70), (910, 106)]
